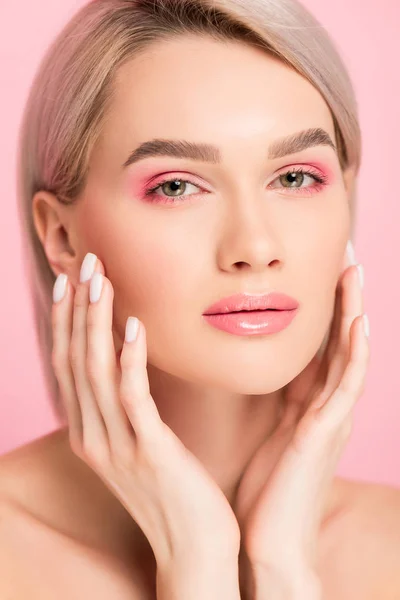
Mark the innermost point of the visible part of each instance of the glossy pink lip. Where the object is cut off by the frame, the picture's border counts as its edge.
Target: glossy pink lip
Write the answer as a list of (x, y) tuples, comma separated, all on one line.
[(250, 302), (259, 322)]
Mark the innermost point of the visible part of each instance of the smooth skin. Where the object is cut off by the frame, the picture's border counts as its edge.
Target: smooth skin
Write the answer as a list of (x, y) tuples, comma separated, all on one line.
[(114, 426), (180, 509), (281, 516), (238, 228)]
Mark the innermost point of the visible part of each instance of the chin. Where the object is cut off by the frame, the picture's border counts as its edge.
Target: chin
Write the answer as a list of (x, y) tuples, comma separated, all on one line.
[(254, 379), (264, 374), (263, 384)]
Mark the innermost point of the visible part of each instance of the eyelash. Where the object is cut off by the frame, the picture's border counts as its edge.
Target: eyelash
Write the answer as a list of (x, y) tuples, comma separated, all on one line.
[(320, 179)]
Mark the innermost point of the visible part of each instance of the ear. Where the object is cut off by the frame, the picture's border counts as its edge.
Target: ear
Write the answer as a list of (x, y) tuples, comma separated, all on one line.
[(349, 178), (52, 223)]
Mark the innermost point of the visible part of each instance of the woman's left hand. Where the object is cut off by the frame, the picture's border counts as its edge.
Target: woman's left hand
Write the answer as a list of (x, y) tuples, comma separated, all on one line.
[(279, 513)]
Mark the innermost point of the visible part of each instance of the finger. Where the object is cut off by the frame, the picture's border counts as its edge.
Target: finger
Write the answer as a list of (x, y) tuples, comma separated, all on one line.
[(134, 386), (334, 332), (310, 383), (94, 430), (352, 382), (352, 307), (62, 330), (297, 397), (329, 348), (310, 436), (335, 416), (102, 364), (348, 305)]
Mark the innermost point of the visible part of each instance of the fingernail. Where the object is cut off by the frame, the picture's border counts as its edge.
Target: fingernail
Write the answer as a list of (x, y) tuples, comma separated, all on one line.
[(60, 287), (366, 325), (360, 270), (96, 285), (132, 326), (351, 253), (88, 266)]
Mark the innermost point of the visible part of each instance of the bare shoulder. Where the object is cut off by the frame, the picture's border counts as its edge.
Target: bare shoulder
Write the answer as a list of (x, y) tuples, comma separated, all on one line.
[(36, 562), (377, 522), (40, 478), (375, 511), (46, 479), (51, 525), (31, 461), (362, 550)]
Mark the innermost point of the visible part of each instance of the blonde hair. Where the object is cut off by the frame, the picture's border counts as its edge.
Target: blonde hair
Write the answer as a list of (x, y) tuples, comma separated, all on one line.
[(72, 91)]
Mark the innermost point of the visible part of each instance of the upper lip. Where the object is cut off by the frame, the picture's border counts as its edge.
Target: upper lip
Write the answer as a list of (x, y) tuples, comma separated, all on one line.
[(239, 302)]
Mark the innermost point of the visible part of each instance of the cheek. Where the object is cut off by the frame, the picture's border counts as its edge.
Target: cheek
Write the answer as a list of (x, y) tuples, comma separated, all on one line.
[(147, 272), (149, 266), (326, 242), (150, 278)]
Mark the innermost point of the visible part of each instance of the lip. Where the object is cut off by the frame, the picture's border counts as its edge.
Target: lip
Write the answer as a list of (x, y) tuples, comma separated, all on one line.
[(252, 302), (261, 322)]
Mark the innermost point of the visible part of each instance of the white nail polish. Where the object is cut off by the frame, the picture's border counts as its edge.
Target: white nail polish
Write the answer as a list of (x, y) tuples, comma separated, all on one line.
[(60, 287), (351, 253), (131, 331), (88, 266), (366, 325), (360, 269), (96, 285)]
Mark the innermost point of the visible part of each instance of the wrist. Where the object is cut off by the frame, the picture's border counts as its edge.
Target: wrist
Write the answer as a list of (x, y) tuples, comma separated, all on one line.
[(285, 584), (194, 578)]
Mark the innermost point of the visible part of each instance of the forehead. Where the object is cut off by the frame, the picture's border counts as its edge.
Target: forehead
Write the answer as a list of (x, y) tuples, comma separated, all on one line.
[(203, 89)]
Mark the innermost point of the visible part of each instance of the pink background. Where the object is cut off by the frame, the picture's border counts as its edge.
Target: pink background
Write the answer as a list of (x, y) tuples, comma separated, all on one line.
[(367, 35)]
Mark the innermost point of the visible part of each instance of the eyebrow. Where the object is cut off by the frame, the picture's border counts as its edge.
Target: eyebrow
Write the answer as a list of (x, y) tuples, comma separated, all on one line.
[(212, 154)]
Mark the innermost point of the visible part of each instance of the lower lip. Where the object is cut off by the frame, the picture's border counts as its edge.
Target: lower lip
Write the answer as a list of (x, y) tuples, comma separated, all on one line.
[(260, 322)]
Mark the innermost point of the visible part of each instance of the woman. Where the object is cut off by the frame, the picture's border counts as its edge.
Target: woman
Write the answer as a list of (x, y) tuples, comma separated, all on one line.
[(210, 474)]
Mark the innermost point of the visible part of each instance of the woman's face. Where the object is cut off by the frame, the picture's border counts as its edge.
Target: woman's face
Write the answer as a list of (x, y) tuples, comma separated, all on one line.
[(240, 225)]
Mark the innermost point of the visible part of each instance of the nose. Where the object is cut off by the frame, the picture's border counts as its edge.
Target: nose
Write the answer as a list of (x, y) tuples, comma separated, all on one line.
[(249, 242)]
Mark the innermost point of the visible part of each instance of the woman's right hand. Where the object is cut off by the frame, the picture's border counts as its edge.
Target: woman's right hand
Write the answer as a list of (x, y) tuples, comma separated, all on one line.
[(115, 427)]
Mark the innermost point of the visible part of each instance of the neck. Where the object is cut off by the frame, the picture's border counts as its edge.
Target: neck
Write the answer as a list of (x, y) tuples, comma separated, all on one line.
[(222, 429)]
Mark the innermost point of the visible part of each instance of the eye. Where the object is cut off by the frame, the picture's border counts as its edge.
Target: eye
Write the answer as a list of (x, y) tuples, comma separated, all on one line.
[(295, 177), (175, 186)]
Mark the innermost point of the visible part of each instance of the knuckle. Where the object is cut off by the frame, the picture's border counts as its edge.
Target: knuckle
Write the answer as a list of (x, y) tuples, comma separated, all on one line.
[(74, 354), (57, 360), (92, 324), (97, 359), (306, 426), (94, 453), (150, 456), (347, 426), (315, 418), (323, 425), (93, 366), (338, 426), (75, 443), (126, 395), (123, 456), (131, 399)]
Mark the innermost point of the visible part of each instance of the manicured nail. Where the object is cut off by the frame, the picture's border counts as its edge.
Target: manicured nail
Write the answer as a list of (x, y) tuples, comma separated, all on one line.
[(360, 270), (96, 285), (351, 253), (132, 326), (366, 325), (60, 287), (88, 266)]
